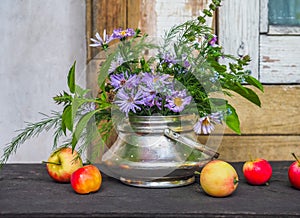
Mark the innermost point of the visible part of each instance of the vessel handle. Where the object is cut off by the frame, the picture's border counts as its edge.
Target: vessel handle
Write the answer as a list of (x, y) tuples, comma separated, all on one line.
[(188, 142)]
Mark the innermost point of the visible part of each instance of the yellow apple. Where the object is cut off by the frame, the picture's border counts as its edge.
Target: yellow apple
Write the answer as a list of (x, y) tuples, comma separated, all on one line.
[(218, 178), (62, 163)]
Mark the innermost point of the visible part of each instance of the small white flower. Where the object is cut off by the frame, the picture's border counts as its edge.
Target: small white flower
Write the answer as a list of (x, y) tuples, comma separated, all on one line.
[(206, 124), (101, 41)]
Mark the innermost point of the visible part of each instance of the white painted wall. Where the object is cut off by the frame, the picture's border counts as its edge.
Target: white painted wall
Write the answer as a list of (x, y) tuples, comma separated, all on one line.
[(39, 41)]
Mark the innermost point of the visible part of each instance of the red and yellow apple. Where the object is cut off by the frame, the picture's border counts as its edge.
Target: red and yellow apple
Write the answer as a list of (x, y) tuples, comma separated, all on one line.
[(86, 179), (294, 173), (257, 172), (218, 178), (62, 163)]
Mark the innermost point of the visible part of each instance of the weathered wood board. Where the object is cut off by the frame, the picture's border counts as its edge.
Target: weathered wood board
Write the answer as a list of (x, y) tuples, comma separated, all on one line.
[(279, 112), (240, 148), (238, 30), (279, 59)]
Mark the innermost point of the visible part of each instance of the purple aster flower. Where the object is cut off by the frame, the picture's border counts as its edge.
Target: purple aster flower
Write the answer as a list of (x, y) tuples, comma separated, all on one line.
[(155, 80), (122, 80), (118, 80), (149, 96), (186, 64), (101, 41), (213, 41), (178, 101), (128, 100), (132, 82), (169, 59), (207, 124), (120, 34), (152, 85)]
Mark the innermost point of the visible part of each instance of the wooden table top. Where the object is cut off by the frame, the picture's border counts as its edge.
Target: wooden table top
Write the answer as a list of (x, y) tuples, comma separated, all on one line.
[(26, 190)]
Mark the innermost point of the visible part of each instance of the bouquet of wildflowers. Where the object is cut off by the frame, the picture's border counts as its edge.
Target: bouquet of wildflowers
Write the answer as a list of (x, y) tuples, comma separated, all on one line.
[(180, 74)]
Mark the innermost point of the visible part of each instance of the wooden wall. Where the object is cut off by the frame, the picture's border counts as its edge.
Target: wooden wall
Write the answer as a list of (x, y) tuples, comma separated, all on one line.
[(272, 131)]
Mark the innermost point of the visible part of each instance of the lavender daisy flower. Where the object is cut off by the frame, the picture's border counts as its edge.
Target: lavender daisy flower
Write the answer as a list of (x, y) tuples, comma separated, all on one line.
[(150, 94), (155, 80), (186, 64), (168, 59), (178, 101), (206, 124), (152, 85), (118, 80), (122, 80), (101, 41), (132, 82), (120, 34), (129, 101), (213, 41)]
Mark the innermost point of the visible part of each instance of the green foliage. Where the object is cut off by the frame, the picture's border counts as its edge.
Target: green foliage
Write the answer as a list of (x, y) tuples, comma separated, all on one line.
[(67, 121), (71, 78), (81, 125), (33, 130), (232, 119)]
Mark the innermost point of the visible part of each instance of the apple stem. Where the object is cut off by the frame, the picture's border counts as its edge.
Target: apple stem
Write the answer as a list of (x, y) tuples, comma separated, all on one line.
[(294, 155), (47, 162), (196, 172), (251, 158)]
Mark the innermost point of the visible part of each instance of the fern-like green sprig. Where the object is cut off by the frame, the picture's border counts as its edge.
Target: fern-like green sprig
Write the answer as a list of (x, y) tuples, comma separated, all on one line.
[(33, 130)]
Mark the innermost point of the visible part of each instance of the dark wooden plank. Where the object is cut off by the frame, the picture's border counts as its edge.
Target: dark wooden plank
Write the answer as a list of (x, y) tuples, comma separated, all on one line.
[(27, 191)]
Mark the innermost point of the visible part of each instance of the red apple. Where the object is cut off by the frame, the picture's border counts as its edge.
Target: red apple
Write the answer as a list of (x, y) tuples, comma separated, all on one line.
[(294, 173), (62, 163), (257, 172), (86, 179), (218, 178)]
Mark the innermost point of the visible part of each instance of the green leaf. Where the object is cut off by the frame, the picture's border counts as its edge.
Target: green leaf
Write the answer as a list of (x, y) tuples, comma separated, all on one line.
[(64, 98), (247, 93), (81, 125), (71, 78), (232, 120), (76, 104), (67, 121), (252, 81), (218, 67), (212, 7), (80, 91), (217, 2), (207, 13), (201, 19), (104, 71)]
